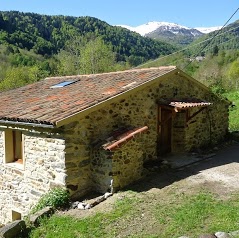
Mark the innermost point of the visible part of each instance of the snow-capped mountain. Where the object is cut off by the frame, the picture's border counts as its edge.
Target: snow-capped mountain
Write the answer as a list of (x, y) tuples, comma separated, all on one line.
[(151, 26), (171, 32), (207, 30), (154, 25)]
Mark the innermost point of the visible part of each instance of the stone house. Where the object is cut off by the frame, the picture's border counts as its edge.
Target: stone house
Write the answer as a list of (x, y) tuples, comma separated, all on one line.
[(94, 132)]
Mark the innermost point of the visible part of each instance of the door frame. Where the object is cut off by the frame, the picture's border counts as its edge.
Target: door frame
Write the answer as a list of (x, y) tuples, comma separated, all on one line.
[(164, 123)]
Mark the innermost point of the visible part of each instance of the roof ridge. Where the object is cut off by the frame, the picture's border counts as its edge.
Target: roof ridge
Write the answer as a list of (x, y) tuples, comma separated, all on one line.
[(114, 72)]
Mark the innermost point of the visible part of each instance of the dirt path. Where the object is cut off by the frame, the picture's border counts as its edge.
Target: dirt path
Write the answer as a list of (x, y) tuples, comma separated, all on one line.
[(218, 174)]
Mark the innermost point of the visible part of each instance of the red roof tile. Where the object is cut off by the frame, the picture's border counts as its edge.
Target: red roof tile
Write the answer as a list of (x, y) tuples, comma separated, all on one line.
[(184, 103), (38, 103), (118, 140)]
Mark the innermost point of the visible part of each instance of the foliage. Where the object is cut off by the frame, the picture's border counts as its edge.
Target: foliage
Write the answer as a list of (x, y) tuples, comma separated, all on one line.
[(45, 46), (222, 40), (56, 198), (86, 55), (233, 73), (96, 57), (47, 35), (234, 110), (20, 76)]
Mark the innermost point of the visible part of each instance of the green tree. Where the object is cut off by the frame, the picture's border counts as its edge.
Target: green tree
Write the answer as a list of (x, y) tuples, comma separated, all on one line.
[(96, 57), (68, 64), (20, 76), (69, 57), (86, 55), (233, 74), (215, 50)]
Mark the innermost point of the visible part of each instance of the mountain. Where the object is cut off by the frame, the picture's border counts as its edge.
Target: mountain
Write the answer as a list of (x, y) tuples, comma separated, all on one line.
[(154, 25), (207, 30), (224, 39), (175, 34), (170, 32), (47, 35)]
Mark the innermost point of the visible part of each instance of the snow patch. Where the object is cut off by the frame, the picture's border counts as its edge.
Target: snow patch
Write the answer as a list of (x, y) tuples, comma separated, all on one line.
[(152, 26), (207, 30)]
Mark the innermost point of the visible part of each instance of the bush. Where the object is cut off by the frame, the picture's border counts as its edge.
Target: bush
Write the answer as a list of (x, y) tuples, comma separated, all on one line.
[(56, 198)]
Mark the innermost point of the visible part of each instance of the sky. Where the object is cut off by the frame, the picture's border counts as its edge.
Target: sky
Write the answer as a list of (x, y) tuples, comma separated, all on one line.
[(190, 13)]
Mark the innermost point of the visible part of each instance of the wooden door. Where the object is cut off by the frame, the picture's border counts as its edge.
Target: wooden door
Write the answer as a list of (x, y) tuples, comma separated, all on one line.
[(165, 132)]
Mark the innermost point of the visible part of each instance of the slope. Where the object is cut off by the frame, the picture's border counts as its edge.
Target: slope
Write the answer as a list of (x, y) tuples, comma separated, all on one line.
[(46, 35)]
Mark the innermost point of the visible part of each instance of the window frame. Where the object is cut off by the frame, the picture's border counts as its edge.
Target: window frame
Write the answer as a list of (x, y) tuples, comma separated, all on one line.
[(14, 145)]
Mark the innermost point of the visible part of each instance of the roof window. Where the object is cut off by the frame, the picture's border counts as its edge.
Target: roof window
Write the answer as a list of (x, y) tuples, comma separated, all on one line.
[(63, 84)]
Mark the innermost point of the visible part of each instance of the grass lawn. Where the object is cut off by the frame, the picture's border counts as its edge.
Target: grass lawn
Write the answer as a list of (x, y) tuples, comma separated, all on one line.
[(183, 215)]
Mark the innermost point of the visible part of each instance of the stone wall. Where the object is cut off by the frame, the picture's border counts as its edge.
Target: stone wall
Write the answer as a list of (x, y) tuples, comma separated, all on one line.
[(77, 158), (118, 168), (208, 127), (22, 185), (138, 109)]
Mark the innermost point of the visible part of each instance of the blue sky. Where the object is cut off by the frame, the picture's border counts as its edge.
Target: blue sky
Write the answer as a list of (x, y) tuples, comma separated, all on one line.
[(191, 13)]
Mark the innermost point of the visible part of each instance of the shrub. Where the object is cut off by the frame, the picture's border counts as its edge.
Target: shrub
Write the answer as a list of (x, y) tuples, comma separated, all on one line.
[(56, 198)]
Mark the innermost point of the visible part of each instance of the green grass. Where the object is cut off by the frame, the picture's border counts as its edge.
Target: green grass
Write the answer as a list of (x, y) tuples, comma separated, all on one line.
[(94, 226), (198, 214), (234, 112), (183, 215)]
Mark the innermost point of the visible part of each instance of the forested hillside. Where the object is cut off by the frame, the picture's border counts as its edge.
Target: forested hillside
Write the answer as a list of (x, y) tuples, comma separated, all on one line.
[(226, 38), (34, 46), (46, 35)]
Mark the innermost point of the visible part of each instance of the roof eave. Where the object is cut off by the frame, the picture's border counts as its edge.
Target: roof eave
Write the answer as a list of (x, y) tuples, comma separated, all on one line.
[(27, 124)]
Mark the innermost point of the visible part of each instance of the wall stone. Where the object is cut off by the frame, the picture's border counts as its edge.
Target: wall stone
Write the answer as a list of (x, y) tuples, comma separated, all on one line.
[(22, 185), (136, 110), (77, 159), (118, 168)]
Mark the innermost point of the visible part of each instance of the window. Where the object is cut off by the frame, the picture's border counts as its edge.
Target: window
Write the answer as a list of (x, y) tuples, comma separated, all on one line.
[(63, 84), (13, 146), (16, 216)]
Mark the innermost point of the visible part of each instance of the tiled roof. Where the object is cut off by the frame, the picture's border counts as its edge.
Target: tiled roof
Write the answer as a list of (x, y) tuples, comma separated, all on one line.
[(116, 141), (39, 103), (184, 103)]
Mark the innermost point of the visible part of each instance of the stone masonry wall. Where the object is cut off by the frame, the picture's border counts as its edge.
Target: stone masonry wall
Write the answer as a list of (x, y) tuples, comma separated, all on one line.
[(118, 168), (22, 185), (78, 161), (139, 109), (208, 127), (127, 163)]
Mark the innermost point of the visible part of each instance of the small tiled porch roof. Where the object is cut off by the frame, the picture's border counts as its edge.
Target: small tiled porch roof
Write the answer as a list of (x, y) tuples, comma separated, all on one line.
[(39, 104), (116, 141), (185, 103)]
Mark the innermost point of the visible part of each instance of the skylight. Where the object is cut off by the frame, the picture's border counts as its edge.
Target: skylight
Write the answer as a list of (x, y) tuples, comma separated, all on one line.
[(63, 84)]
